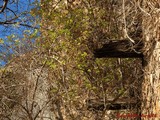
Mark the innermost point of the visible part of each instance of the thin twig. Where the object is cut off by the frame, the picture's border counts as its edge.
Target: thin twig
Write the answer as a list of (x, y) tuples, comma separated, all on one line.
[(125, 24)]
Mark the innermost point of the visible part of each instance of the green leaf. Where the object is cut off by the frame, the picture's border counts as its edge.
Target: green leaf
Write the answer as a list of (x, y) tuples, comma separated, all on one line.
[(1, 41)]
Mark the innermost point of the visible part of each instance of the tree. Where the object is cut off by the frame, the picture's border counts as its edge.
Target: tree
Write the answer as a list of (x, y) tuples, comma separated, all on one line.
[(14, 16), (17, 23), (72, 31), (151, 35)]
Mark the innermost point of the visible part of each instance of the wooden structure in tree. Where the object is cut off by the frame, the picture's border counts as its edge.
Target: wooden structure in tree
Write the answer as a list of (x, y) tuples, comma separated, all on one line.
[(117, 49)]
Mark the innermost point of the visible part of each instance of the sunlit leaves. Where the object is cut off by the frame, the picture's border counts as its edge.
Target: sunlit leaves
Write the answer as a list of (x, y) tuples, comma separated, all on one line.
[(1, 41)]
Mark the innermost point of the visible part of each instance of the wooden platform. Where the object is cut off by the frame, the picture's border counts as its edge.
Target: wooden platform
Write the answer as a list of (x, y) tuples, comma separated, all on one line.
[(120, 49), (121, 104)]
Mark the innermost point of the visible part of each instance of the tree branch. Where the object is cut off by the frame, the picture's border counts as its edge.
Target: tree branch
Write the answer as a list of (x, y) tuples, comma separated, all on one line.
[(22, 24), (4, 5)]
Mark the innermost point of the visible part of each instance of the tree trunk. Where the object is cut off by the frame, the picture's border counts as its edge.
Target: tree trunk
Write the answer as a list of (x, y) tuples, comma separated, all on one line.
[(151, 83)]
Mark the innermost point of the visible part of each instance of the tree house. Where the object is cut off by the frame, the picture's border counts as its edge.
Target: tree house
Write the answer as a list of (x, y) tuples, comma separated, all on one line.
[(117, 49)]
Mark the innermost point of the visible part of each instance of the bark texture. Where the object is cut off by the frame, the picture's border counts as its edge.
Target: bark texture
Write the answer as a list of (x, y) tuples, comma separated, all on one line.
[(151, 82)]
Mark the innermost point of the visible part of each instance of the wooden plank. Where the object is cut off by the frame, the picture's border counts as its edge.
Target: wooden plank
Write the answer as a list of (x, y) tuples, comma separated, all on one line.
[(99, 105), (120, 49)]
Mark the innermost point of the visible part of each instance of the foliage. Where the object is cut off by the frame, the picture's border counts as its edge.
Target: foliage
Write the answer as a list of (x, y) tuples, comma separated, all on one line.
[(69, 34)]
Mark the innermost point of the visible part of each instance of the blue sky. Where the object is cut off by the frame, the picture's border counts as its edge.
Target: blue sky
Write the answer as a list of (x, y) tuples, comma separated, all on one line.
[(19, 7)]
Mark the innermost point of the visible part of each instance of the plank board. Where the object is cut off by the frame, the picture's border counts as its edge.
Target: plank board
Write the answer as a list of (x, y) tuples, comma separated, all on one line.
[(120, 49)]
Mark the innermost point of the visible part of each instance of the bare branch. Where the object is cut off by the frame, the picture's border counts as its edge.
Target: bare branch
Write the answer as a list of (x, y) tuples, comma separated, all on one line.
[(4, 5), (125, 24), (22, 24)]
